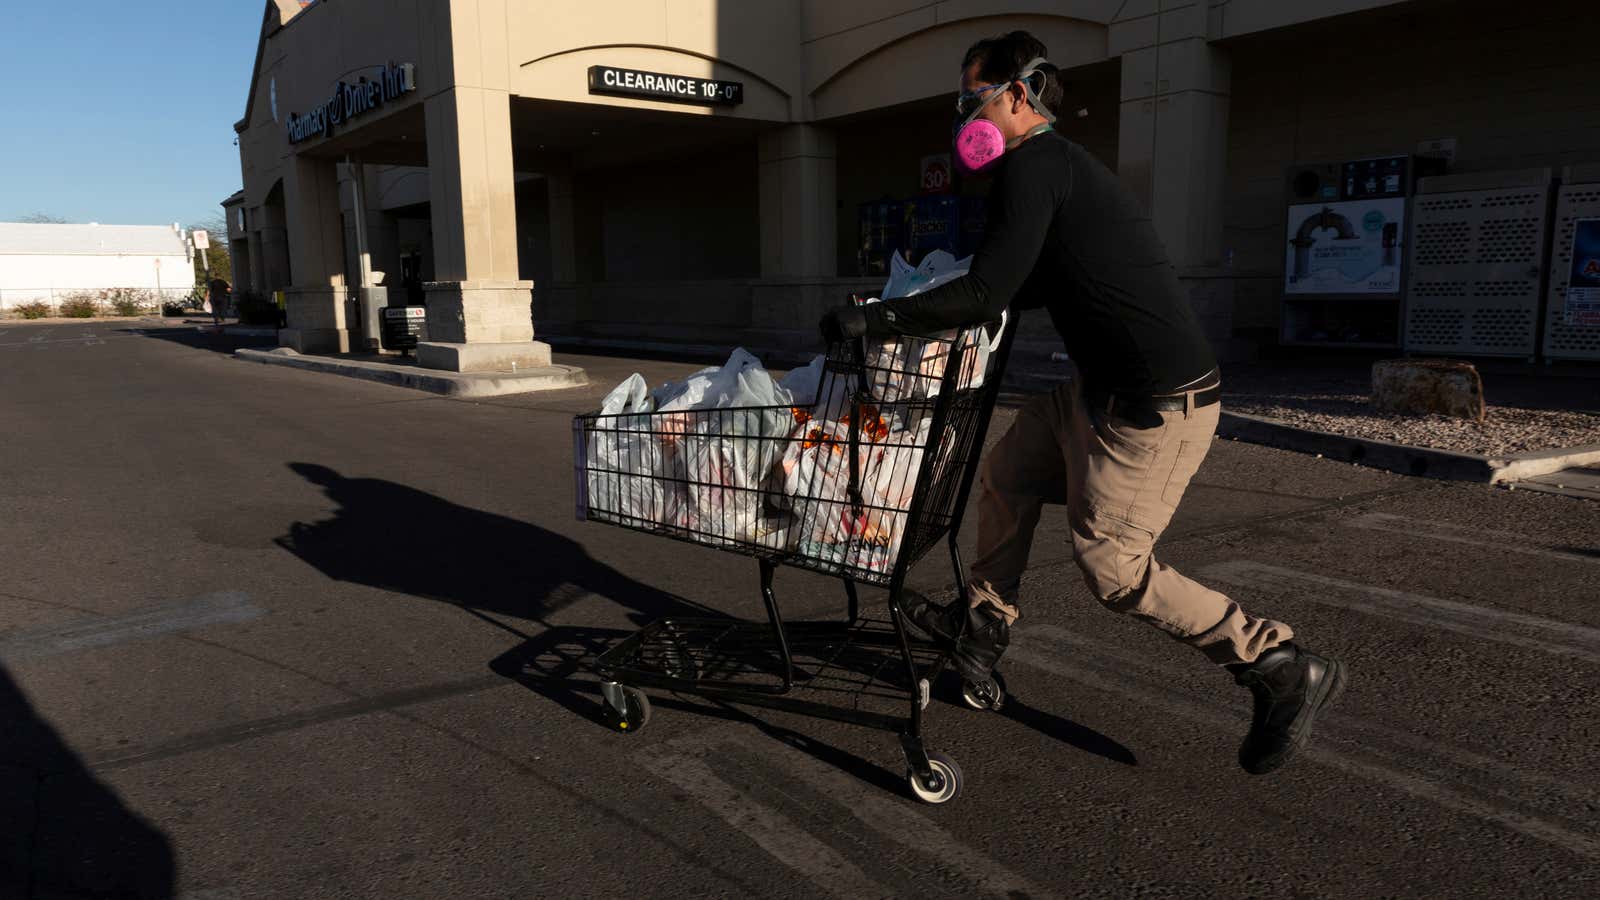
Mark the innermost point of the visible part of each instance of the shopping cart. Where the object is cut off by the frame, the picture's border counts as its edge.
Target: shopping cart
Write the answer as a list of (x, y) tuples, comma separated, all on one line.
[(860, 485)]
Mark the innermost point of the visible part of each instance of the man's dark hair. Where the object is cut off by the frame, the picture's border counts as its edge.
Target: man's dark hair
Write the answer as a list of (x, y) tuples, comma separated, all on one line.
[(1000, 59)]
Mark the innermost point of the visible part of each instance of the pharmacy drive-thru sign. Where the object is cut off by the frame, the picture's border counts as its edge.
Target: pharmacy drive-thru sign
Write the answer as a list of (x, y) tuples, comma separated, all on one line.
[(351, 100)]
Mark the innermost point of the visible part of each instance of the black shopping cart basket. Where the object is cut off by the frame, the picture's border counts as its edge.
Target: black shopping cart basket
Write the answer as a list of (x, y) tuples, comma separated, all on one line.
[(859, 484)]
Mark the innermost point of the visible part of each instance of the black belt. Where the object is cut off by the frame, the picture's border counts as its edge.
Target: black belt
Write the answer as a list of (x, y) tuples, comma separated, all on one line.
[(1157, 403)]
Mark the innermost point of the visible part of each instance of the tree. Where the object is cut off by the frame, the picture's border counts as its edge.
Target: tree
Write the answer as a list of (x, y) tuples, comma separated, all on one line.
[(216, 228), (40, 218)]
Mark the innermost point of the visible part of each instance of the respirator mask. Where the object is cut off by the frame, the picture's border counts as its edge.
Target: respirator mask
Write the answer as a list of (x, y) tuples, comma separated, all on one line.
[(978, 142)]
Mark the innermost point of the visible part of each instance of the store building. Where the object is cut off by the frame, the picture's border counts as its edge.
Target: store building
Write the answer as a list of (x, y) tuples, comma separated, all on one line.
[(712, 172), (52, 262)]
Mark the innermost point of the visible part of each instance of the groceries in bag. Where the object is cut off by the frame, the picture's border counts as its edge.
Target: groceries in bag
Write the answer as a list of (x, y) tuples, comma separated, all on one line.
[(732, 456), (691, 454), (890, 359)]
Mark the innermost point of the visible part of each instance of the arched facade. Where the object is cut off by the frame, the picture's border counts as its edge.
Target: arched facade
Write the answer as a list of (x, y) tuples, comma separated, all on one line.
[(712, 172)]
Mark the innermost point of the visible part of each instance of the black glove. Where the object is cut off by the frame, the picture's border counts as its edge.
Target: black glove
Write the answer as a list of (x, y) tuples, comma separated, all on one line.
[(842, 323)]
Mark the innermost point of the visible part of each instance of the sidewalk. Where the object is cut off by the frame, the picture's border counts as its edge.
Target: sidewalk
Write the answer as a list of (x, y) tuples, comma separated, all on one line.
[(1540, 420), (388, 368)]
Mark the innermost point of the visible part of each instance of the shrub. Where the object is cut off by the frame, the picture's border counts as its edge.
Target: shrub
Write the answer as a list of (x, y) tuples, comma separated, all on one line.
[(173, 307), (130, 301), (254, 309), (79, 306), (33, 309)]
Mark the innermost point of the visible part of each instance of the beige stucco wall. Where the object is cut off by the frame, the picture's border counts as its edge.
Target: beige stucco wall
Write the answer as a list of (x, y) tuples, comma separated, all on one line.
[(553, 46), (1207, 101)]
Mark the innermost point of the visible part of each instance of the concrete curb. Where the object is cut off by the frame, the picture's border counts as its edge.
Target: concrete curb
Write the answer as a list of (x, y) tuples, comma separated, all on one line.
[(449, 384), (1404, 458), (239, 330)]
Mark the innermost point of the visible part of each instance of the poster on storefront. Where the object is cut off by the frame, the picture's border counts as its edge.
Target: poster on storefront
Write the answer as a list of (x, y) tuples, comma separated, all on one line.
[(1583, 284), (934, 173), (1347, 247)]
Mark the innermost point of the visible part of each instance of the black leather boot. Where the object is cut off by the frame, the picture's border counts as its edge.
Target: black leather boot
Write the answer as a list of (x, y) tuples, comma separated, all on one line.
[(1291, 685), (927, 621), (982, 642)]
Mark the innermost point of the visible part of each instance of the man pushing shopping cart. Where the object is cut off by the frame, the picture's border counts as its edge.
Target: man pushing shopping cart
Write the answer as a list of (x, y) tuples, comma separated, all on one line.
[(1117, 445)]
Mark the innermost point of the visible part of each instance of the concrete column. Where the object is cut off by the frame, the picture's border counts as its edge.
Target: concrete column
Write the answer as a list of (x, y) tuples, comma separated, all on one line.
[(258, 281), (796, 170), (1173, 142), (243, 265), (378, 233), (316, 300), (799, 192), (477, 297)]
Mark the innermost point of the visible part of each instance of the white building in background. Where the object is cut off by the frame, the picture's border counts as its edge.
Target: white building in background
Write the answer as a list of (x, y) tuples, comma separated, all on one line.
[(47, 262)]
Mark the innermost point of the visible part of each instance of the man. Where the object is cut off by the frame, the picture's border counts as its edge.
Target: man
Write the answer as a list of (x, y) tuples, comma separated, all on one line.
[(217, 294), (1118, 444)]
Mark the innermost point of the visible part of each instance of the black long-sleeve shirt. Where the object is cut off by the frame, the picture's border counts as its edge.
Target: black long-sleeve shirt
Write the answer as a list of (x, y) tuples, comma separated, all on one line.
[(1065, 234)]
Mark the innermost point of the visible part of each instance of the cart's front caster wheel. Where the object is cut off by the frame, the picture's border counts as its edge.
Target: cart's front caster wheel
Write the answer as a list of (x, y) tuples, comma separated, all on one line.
[(988, 694), (635, 711), (942, 784)]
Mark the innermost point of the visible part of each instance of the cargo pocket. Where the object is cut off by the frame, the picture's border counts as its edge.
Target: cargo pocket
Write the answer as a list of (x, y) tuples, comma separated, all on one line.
[(1190, 454)]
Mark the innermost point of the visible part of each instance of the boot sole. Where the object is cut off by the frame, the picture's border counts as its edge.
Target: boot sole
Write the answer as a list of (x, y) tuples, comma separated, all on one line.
[(971, 668), (1330, 690)]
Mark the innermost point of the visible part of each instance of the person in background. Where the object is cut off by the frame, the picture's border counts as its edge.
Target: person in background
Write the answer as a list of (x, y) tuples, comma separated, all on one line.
[(1119, 443), (217, 291)]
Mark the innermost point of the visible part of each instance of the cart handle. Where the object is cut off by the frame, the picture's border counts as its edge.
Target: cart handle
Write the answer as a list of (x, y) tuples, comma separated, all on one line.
[(859, 401)]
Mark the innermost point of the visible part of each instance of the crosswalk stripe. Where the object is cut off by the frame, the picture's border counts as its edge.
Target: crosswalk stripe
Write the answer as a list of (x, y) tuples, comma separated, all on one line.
[(1062, 660), (212, 609), (1506, 541), (892, 817), (1499, 626), (773, 832)]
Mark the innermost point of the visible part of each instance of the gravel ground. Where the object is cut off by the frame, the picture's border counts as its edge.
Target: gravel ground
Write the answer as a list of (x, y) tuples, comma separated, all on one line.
[(1505, 430)]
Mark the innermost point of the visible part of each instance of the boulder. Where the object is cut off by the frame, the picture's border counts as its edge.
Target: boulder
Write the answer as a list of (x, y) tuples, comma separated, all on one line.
[(1422, 386)]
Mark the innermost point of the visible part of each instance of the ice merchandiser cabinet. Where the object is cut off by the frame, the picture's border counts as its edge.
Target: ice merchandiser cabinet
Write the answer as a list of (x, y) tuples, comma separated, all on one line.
[(1344, 253)]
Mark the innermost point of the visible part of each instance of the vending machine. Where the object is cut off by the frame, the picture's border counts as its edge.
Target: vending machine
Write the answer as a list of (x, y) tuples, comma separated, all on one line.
[(1343, 253)]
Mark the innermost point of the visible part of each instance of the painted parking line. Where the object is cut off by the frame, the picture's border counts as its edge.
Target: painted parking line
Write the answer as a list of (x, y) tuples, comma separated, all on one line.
[(1060, 653), (1513, 629), (212, 609), (684, 764), (773, 832), (1507, 541), (40, 343)]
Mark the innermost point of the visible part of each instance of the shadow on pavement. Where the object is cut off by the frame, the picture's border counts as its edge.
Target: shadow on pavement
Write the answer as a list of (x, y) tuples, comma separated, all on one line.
[(547, 663), (62, 832), (399, 539), (1067, 732), (191, 336)]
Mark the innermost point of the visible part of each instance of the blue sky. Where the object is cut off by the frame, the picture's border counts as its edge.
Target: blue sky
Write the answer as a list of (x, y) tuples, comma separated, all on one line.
[(122, 111)]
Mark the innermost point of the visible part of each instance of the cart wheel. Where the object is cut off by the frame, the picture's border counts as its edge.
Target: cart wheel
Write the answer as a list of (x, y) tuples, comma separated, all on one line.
[(637, 712), (943, 784), (988, 694)]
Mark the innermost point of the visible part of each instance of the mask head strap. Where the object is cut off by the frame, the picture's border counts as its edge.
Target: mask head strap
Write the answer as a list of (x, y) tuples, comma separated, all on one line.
[(1034, 67)]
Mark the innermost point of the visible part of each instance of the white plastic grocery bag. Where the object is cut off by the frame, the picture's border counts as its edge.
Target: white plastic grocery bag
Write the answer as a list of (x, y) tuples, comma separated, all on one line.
[(733, 421), (620, 449)]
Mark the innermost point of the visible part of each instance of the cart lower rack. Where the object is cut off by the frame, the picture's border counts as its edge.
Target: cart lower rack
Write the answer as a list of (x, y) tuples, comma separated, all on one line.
[(859, 482)]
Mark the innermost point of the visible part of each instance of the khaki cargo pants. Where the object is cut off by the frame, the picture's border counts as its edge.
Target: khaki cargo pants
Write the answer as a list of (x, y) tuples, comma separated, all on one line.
[(1121, 479)]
